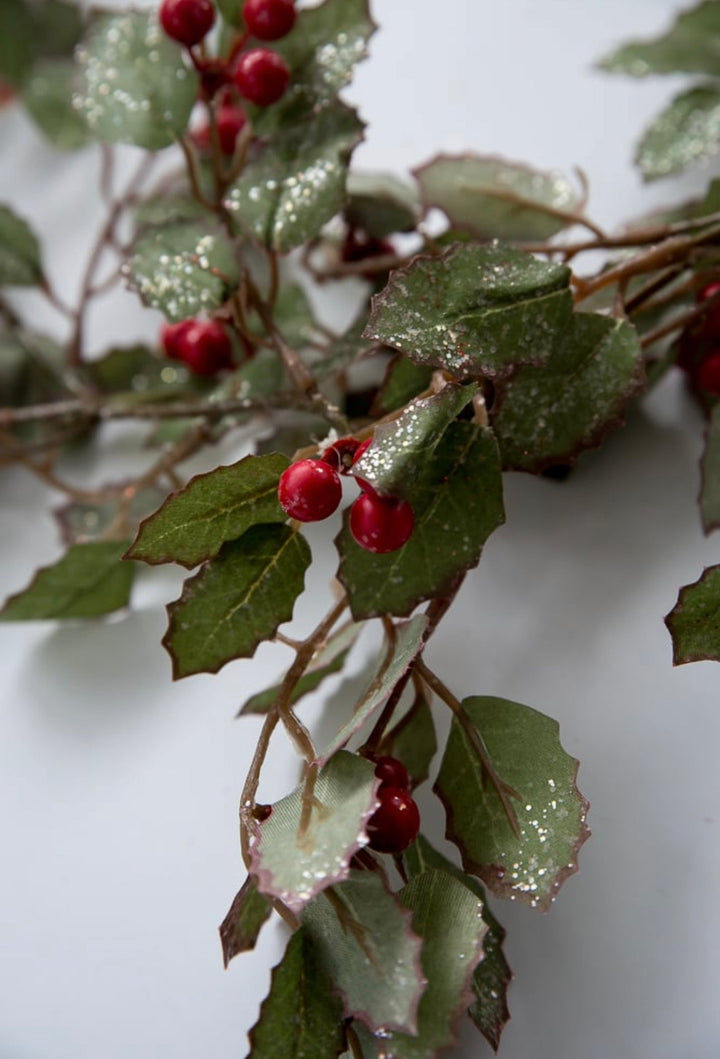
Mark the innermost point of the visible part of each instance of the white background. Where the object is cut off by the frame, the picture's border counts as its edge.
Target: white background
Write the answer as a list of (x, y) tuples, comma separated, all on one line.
[(118, 789)]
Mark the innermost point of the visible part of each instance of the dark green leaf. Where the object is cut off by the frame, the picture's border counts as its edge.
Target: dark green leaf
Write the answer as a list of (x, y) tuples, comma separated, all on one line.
[(88, 581), (525, 750), (710, 468), (18, 43), (137, 373), (548, 415), (498, 199), (59, 27), (694, 621), (241, 927), (135, 86), (236, 600), (301, 1018), (213, 508), (292, 434), (474, 310), (403, 381), (80, 522), (19, 251), (413, 740), (47, 95), (687, 131), (691, 45), (369, 952), (231, 11), (380, 204)]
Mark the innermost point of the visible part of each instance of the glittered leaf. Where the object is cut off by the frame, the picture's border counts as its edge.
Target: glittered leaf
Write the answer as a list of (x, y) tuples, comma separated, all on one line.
[(218, 506), (694, 621), (19, 251), (295, 865), (241, 927), (413, 740), (691, 45), (403, 381), (47, 95), (525, 750), (687, 131), (236, 600), (134, 87), (544, 416), (369, 951), (301, 1018), (80, 522), (474, 310), (296, 182), (88, 581), (710, 468), (498, 199), (380, 204), (18, 44), (183, 268), (457, 501), (168, 209)]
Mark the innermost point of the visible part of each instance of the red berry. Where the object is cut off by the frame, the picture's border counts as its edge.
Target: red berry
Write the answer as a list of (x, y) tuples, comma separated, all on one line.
[(708, 374), (309, 490), (187, 21), (395, 824), (381, 523), (708, 326), (341, 454), (230, 121), (171, 337), (269, 19), (205, 347), (261, 76), (392, 773)]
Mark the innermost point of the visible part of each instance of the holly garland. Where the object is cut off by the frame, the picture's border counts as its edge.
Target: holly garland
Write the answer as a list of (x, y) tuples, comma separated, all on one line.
[(488, 349)]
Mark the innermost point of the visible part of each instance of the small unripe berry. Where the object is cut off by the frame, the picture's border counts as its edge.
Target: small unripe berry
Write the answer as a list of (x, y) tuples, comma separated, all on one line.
[(269, 19), (205, 347), (708, 374), (380, 523), (261, 76), (171, 338), (392, 773), (309, 490), (187, 21), (395, 824)]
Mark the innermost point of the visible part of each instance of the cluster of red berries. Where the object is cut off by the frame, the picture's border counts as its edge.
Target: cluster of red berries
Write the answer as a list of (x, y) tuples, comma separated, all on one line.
[(396, 821), (203, 345), (310, 490), (699, 345)]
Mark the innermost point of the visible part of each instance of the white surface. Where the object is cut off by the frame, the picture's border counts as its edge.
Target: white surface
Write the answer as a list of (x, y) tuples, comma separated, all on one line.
[(119, 789)]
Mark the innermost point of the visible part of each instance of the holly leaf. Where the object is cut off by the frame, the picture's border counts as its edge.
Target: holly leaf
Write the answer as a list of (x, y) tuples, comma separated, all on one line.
[(525, 750), (135, 87), (710, 474), (213, 508), (413, 740), (241, 927), (473, 310), (17, 41), (20, 264), (543, 416), (294, 863), (80, 522), (691, 45), (136, 374), (687, 131), (380, 204), (457, 501), (301, 1018), (87, 582), (236, 600), (403, 381), (183, 269), (497, 199), (364, 940), (58, 28), (295, 182), (694, 621), (47, 95), (160, 210)]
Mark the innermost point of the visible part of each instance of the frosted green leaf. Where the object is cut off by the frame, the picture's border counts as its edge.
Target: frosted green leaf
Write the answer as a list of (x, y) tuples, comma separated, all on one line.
[(691, 45), (88, 581), (236, 600), (473, 310), (295, 865), (19, 251), (47, 95), (213, 508), (694, 621), (18, 44), (380, 204), (183, 269), (369, 951), (241, 927), (710, 468), (525, 750), (687, 131), (135, 87)]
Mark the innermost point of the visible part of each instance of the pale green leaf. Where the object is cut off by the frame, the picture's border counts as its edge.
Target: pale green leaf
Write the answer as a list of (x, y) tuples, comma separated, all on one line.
[(691, 45), (19, 251), (47, 94), (80, 521), (687, 131), (694, 621)]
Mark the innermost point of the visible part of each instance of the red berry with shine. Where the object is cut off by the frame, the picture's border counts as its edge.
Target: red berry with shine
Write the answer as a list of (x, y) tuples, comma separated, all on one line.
[(269, 19), (261, 76), (708, 326), (392, 773), (230, 121), (309, 490), (708, 373), (395, 824), (187, 21), (171, 338), (381, 523), (205, 347), (341, 454)]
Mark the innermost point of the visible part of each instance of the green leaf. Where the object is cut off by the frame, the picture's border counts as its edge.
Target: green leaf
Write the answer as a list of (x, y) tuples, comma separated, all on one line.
[(19, 251), (687, 131), (236, 600), (457, 501), (548, 415), (301, 1018), (135, 87), (137, 373), (497, 199), (88, 581), (231, 11), (18, 45), (694, 621), (213, 508), (80, 522), (296, 182), (413, 740), (473, 310), (241, 927), (369, 951), (710, 469), (47, 95), (292, 315), (328, 659), (166, 209), (525, 750), (59, 27), (295, 865), (403, 381), (691, 45), (183, 269), (380, 204)]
